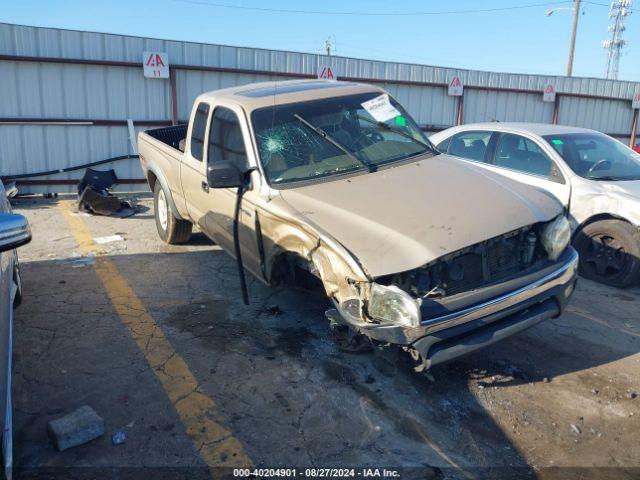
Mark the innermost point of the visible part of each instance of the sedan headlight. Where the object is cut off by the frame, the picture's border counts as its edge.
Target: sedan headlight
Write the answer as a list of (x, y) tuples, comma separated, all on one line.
[(392, 305), (556, 236)]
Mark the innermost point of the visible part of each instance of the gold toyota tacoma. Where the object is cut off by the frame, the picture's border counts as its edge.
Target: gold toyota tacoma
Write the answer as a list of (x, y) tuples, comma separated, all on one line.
[(413, 247)]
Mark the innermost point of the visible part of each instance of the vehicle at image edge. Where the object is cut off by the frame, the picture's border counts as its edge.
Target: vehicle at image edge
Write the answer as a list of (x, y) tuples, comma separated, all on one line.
[(414, 248), (595, 176), (14, 232)]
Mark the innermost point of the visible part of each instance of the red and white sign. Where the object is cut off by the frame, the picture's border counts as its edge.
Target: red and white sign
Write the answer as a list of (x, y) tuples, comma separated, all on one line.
[(327, 72), (155, 64), (635, 103), (549, 93), (455, 86)]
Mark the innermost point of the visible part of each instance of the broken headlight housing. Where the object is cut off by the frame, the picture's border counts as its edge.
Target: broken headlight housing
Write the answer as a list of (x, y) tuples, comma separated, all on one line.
[(555, 236), (393, 305)]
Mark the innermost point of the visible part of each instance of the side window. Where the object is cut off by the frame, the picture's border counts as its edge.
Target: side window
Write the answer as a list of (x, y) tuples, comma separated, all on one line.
[(197, 132), (444, 145), (471, 145), (225, 138), (521, 154)]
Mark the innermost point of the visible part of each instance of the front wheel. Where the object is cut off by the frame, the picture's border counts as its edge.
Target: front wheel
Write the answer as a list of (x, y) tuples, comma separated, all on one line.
[(171, 230), (609, 252)]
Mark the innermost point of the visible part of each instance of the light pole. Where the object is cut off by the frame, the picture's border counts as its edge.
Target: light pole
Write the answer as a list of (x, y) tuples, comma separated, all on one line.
[(572, 45)]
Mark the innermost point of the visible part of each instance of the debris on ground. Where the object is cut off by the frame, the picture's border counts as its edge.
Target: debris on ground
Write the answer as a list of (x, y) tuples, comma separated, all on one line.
[(576, 429), (119, 437), (108, 239), (273, 310), (11, 189), (631, 395), (76, 428), (82, 261), (95, 197)]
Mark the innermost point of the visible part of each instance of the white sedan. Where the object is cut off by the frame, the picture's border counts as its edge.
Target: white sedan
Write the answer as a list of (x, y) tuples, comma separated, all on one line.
[(595, 176)]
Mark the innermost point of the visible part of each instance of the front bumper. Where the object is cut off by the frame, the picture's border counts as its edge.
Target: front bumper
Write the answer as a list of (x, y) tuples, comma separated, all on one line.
[(456, 333)]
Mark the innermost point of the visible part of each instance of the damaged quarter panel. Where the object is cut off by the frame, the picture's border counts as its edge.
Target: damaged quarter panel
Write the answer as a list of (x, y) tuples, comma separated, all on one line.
[(618, 199), (287, 233)]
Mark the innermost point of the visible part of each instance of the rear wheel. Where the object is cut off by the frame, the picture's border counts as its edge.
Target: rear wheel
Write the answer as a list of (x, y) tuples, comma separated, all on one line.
[(170, 229), (609, 252)]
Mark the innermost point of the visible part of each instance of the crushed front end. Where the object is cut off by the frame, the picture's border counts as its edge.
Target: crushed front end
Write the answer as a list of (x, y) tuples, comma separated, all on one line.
[(470, 298)]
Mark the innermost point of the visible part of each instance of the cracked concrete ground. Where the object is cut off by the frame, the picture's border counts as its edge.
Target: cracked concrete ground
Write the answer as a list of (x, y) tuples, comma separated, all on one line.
[(541, 405)]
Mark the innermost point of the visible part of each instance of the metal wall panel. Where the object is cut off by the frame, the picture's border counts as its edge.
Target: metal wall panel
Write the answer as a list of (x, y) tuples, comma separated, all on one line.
[(605, 115), (491, 105), (35, 148), (37, 41), (62, 90)]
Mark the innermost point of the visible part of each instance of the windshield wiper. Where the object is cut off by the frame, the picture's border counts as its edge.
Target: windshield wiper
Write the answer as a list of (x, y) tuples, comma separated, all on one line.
[(339, 146), (399, 132)]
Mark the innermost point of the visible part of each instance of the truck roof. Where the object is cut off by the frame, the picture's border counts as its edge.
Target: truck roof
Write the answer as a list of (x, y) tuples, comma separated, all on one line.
[(267, 94)]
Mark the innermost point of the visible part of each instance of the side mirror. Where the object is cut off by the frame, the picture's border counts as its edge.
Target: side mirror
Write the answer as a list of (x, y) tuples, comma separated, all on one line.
[(14, 231), (224, 174)]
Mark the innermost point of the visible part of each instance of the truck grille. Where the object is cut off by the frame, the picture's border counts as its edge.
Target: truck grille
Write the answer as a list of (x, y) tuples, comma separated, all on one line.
[(487, 263), (479, 265)]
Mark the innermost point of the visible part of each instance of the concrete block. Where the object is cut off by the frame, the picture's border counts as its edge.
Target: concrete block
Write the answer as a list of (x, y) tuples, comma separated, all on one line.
[(76, 428)]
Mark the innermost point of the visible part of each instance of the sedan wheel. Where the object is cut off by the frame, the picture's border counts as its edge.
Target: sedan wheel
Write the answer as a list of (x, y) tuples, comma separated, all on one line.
[(609, 252)]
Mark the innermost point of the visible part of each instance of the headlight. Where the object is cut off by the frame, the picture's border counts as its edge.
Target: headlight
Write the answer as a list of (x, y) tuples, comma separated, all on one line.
[(556, 236), (392, 305)]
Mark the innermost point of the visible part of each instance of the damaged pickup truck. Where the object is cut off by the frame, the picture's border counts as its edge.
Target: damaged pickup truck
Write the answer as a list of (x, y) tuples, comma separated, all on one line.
[(413, 247)]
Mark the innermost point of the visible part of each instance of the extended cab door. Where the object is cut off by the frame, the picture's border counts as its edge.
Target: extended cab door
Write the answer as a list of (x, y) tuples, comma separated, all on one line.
[(193, 169)]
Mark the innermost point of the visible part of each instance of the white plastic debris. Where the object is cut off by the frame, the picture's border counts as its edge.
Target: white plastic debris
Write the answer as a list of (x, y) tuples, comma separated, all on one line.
[(108, 239)]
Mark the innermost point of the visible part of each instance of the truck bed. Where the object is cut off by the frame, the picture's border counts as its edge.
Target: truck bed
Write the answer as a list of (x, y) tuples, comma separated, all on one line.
[(169, 135), (159, 151)]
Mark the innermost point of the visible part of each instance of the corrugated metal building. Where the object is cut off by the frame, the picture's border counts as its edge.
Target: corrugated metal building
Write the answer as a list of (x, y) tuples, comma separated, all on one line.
[(66, 95)]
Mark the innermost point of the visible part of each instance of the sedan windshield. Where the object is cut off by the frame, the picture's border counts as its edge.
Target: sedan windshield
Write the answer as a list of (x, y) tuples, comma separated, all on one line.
[(320, 139), (597, 156)]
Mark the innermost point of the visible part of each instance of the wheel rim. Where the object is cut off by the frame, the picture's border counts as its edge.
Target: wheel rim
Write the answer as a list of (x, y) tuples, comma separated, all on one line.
[(163, 210), (605, 257)]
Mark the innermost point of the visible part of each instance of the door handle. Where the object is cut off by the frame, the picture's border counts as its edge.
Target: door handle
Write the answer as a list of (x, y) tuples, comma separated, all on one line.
[(205, 186)]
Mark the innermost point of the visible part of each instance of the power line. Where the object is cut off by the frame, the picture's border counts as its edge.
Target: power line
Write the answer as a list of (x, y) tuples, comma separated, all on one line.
[(374, 14)]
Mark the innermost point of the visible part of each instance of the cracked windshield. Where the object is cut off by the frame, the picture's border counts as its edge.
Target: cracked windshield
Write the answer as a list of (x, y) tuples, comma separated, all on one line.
[(315, 140)]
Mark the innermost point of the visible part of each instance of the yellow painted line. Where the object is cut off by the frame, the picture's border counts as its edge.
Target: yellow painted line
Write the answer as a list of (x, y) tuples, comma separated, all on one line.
[(201, 419), (600, 321)]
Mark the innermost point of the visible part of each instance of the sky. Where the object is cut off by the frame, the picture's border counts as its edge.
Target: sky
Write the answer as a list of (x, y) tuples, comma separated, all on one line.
[(521, 40)]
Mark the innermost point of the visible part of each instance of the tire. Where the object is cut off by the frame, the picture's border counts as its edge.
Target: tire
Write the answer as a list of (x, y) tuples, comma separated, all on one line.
[(170, 229), (609, 252)]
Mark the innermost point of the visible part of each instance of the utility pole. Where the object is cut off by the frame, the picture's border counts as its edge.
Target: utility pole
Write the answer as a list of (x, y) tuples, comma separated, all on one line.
[(620, 9), (572, 45)]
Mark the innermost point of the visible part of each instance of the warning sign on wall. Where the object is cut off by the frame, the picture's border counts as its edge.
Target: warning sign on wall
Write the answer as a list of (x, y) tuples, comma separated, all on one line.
[(327, 72), (455, 86), (549, 93), (155, 64)]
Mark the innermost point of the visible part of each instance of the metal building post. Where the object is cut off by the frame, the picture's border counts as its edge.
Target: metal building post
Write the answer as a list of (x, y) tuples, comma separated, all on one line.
[(460, 115), (556, 109), (634, 127), (174, 97)]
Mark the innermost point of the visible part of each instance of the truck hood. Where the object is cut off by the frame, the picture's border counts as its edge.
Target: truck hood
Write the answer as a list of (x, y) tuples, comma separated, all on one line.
[(403, 217)]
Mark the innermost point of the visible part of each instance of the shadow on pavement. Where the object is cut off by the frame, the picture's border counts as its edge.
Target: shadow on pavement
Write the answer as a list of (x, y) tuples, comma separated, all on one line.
[(290, 396)]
